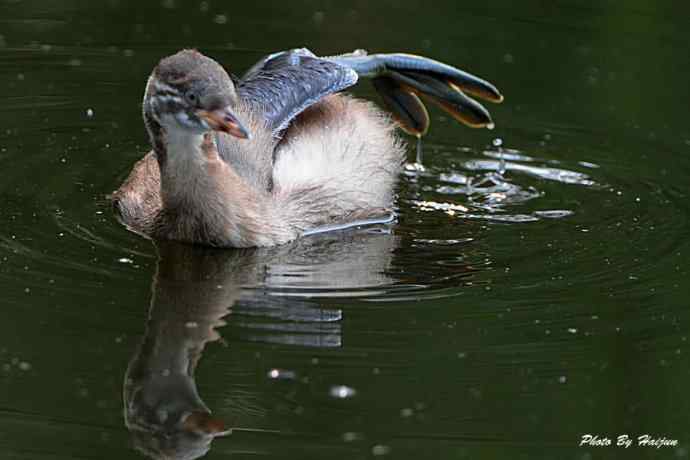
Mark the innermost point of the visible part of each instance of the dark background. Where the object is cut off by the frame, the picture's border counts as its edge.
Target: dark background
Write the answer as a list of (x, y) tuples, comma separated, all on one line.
[(471, 335)]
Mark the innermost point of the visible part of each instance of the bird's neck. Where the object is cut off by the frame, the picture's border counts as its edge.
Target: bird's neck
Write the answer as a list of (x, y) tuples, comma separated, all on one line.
[(183, 165), (206, 200)]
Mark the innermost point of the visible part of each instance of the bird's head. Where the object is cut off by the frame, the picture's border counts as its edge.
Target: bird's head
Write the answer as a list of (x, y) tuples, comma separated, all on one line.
[(191, 93)]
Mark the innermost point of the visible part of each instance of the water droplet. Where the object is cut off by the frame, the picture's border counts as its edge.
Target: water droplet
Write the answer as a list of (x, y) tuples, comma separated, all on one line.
[(497, 142), (380, 449), (89, 113), (572, 330), (342, 392), (162, 415), (351, 436), (318, 17), (562, 379), (281, 374), (125, 260)]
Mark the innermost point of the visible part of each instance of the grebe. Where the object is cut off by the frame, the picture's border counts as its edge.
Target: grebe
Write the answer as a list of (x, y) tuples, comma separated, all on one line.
[(281, 152)]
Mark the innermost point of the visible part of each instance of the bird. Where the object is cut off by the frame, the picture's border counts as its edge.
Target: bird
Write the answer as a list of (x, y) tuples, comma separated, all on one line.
[(282, 152)]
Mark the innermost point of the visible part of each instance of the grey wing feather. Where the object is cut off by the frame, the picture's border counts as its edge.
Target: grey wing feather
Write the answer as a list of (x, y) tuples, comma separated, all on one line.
[(284, 84)]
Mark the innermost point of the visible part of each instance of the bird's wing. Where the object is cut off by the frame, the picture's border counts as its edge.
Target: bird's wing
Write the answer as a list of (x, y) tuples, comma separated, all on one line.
[(284, 84)]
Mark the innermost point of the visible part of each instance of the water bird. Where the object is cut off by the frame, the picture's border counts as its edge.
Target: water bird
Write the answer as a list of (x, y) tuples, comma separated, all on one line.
[(282, 152)]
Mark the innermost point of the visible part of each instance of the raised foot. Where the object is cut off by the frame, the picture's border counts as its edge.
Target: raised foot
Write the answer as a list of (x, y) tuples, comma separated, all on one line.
[(401, 79)]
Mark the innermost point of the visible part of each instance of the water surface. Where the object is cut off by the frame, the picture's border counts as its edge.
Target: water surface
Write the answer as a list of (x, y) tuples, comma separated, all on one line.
[(533, 290)]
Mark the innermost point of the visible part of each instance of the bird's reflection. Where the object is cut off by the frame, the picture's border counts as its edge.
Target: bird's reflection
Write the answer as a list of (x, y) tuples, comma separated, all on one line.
[(194, 291)]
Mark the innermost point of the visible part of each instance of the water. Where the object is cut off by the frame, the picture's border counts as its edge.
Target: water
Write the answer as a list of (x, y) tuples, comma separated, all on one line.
[(534, 289)]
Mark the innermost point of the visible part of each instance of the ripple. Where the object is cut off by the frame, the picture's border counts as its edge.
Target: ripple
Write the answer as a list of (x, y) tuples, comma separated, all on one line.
[(287, 321), (497, 190), (555, 174), (508, 154), (434, 252)]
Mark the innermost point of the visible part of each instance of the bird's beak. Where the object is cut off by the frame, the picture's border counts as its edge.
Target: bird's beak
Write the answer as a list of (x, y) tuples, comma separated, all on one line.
[(224, 120), (203, 422)]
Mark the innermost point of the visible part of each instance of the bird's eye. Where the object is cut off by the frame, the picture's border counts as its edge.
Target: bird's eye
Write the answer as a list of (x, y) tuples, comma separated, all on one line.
[(191, 96)]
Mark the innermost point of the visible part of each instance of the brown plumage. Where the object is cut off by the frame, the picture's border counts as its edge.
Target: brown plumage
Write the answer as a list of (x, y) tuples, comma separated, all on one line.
[(242, 165)]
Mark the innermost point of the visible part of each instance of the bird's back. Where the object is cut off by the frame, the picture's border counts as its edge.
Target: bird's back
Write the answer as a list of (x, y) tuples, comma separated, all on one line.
[(338, 162)]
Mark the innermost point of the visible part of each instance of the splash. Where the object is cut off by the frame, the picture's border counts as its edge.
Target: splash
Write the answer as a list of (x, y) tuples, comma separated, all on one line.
[(493, 189)]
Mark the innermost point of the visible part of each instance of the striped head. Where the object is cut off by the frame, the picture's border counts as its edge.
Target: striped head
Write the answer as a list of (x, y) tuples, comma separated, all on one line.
[(190, 93)]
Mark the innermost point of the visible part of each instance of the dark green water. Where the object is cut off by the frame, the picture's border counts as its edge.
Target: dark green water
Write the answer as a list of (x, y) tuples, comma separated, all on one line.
[(556, 305)]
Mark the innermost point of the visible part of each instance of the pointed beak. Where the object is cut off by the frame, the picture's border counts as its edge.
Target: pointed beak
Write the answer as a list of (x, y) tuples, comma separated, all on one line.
[(204, 422), (225, 121)]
